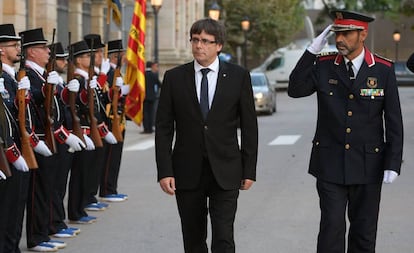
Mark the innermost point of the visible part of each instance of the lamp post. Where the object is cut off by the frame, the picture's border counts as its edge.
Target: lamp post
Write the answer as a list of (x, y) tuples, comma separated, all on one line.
[(245, 25), (396, 37), (156, 6), (214, 11)]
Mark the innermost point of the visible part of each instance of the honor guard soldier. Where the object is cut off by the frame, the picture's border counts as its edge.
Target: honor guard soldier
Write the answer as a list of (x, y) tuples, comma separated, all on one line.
[(57, 226), (359, 134), (108, 190), (47, 124), (83, 161), (101, 67), (18, 184)]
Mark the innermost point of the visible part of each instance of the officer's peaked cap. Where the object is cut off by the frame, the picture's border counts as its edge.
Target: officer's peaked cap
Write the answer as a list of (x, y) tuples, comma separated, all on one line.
[(33, 37), (347, 20), (94, 41), (7, 33), (59, 51), (80, 47), (115, 46)]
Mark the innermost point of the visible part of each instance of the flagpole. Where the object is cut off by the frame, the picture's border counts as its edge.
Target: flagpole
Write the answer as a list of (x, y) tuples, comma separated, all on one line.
[(107, 27)]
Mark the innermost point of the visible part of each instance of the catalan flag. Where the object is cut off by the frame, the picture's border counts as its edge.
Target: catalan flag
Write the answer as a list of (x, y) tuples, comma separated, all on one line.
[(135, 72), (115, 6)]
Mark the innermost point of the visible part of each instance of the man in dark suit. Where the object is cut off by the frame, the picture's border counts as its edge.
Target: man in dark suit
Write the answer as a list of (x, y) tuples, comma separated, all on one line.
[(206, 167), (152, 84), (359, 134)]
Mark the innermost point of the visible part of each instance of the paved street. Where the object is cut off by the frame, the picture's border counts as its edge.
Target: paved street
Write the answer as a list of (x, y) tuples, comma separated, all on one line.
[(279, 214)]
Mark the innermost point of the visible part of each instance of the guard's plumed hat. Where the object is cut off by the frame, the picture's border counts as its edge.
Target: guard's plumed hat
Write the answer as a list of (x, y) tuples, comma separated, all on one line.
[(115, 46), (80, 47), (94, 41), (7, 33), (33, 37), (59, 51), (347, 21)]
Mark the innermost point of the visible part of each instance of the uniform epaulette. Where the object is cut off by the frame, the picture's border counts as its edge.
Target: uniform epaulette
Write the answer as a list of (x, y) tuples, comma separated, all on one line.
[(327, 56), (383, 60)]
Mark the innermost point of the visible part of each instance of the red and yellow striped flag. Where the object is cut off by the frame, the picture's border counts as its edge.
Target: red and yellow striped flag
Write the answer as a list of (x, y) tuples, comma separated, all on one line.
[(135, 72)]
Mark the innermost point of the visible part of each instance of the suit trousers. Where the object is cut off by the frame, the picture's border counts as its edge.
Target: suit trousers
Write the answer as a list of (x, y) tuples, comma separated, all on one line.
[(194, 206), (362, 202), (95, 171)]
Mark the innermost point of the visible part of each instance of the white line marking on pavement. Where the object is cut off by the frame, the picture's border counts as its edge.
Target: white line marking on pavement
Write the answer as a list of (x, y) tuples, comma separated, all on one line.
[(143, 145), (285, 140)]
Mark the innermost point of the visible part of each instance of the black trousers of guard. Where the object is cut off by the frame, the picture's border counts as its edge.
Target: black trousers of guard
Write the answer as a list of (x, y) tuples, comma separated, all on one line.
[(78, 184), (362, 202), (194, 206), (148, 115), (58, 214), (39, 200), (94, 172), (15, 204), (110, 170)]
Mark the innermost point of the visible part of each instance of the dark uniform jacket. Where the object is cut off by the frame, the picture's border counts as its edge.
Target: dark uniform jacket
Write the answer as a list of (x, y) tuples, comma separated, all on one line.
[(359, 131), (215, 138)]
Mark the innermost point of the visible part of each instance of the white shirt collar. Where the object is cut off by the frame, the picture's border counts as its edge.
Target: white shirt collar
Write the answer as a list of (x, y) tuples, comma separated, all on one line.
[(213, 66), (35, 66), (357, 61), (9, 70)]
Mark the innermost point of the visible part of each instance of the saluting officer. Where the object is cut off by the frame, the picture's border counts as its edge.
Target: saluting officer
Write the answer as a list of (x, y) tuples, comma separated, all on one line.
[(359, 134)]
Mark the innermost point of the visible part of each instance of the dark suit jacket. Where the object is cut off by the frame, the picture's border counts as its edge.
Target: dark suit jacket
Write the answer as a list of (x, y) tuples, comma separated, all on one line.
[(179, 112), (359, 131)]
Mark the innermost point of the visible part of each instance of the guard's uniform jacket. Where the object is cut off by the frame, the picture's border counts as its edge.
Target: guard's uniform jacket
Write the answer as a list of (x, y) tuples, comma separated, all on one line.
[(359, 127)]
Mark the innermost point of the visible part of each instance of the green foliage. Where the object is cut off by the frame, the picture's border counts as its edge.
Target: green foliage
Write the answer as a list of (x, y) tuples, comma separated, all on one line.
[(272, 24)]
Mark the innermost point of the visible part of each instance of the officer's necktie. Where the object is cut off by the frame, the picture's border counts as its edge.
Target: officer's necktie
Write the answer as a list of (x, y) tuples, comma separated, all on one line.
[(204, 93), (350, 71)]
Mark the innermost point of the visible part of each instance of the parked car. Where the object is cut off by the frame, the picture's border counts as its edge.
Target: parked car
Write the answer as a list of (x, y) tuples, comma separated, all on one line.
[(403, 74), (264, 95)]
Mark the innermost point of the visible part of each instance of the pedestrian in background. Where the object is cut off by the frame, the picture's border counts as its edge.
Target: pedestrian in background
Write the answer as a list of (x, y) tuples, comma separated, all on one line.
[(359, 134), (152, 85), (201, 104)]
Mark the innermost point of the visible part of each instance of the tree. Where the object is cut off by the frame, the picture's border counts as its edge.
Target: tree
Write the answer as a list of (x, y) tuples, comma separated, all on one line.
[(273, 23)]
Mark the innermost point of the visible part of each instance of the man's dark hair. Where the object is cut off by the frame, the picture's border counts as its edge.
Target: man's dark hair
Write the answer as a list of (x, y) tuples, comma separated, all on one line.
[(209, 26)]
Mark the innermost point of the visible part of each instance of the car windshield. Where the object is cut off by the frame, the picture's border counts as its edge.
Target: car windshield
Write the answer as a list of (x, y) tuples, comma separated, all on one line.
[(258, 81), (399, 66)]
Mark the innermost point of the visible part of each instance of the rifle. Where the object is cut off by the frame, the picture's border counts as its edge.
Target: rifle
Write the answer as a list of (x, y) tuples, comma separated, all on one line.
[(4, 164), (76, 127), (116, 120), (95, 136), (27, 151), (48, 103)]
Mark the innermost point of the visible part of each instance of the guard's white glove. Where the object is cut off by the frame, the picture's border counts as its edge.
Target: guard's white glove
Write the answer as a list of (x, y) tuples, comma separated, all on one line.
[(2, 89), (24, 84), (93, 83), (119, 81), (73, 85), (62, 135), (53, 78), (41, 148), (106, 134), (89, 143), (124, 90), (110, 138), (105, 66), (20, 164), (319, 42), (2, 176), (75, 142), (389, 176)]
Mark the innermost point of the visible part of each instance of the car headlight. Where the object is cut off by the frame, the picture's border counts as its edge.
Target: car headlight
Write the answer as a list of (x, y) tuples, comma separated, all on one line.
[(259, 95)]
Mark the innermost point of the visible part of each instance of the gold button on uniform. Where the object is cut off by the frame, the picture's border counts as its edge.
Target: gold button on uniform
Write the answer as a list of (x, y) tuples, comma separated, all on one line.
[(348, 130), (349, 113), (351, 96), (347, 146), (331, 93), (376, 150)]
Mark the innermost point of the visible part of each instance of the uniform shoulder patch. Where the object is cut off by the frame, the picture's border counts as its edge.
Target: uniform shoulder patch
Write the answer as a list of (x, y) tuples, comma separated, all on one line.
[(327, 56), (383, 60)]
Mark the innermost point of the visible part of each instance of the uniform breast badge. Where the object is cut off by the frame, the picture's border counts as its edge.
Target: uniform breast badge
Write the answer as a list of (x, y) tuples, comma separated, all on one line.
[(372, 82)]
